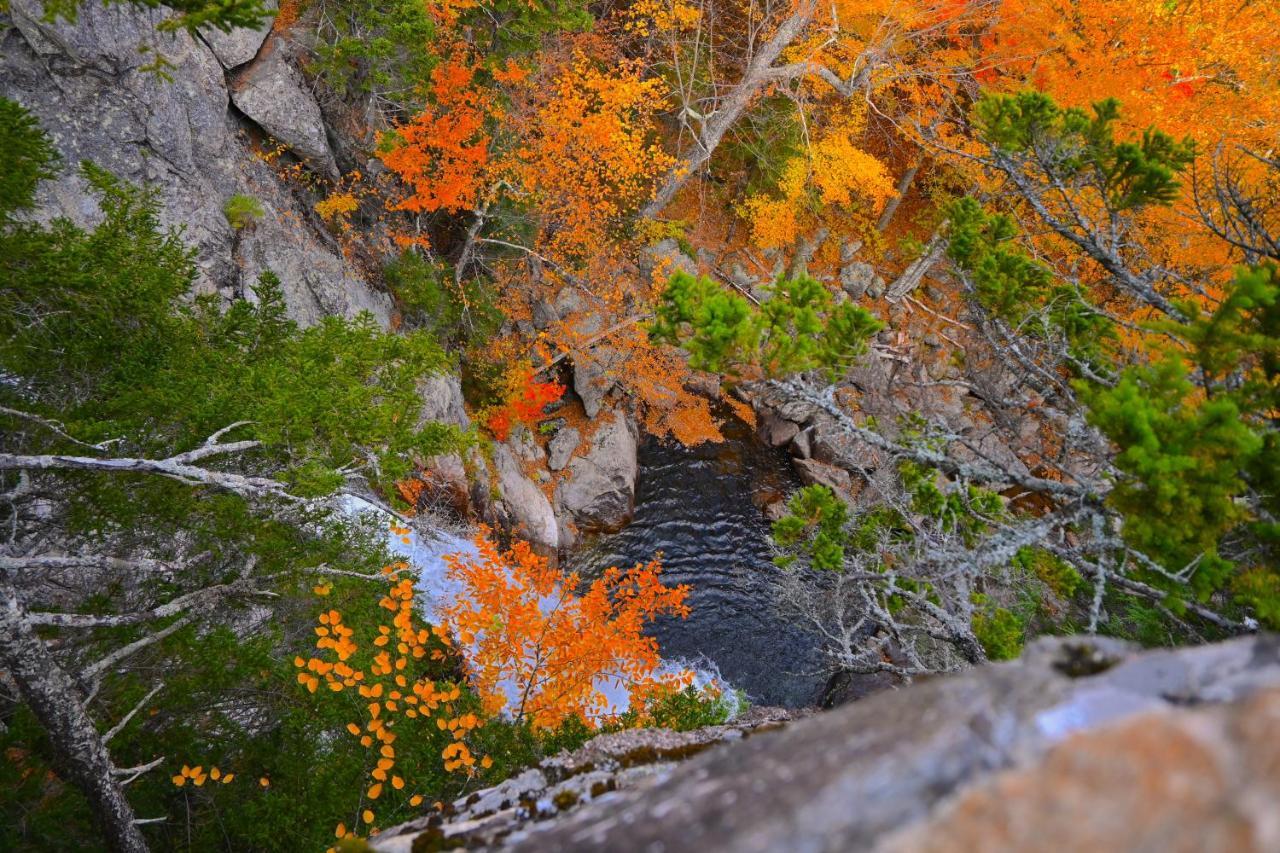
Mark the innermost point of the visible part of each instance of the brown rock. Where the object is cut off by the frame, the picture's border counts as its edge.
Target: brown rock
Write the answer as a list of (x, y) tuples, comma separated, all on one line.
[(774, 430), (1166, 781), (814, 473)]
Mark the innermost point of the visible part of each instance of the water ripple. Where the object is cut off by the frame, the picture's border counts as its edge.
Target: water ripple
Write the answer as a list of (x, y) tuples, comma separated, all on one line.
[(701, 507)]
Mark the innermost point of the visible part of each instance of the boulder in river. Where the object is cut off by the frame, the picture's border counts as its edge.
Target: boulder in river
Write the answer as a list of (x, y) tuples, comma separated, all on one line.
[(600, 490), (561, 447)]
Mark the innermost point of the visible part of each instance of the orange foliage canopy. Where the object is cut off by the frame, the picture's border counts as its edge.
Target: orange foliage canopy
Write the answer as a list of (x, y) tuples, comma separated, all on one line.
[(443, 152), (525, 403), (1200, 68), (588, 155), (531, 636)]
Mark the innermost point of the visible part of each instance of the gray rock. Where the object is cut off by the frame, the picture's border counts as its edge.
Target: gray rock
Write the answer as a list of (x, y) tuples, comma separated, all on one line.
[(239, 45), (525, 508), (274, 95), (560, 448), (85, 85), (860, 280), (664, 258), (524, 445), (1171, 779), (802, 445), (568, 301), (600, 491), (814, 473), (773, 429), (442, 401), (703, 383), (966, 762), (594, 376), (621, 761)]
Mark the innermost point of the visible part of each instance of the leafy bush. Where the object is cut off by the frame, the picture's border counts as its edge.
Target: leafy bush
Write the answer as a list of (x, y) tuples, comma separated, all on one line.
[(242, 211), (459, 316), (1001, 632)]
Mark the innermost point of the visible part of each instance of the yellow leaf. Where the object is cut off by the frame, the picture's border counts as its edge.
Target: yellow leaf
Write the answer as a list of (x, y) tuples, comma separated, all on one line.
[(375, 791), (397, 782), (368, 816), (179, 780), (415, 800)]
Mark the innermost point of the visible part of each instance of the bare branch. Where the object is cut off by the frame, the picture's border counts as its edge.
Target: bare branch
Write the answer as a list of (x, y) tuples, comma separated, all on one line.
[(133, 712)]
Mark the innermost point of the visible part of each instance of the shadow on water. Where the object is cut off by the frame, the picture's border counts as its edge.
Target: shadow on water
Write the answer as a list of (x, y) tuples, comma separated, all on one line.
[(702, 507)]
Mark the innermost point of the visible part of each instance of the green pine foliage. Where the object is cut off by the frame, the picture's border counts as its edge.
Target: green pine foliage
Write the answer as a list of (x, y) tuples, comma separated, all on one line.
[(1196, 441), (460, 316), (101, 335), (242, 211), (814, 525), (117, 350), (799, 327), (1001, 631), (384, 48), (1073, 143)]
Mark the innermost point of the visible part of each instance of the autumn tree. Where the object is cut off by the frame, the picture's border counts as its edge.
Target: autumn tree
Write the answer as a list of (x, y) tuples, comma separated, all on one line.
[(542, 649), (401, 697)]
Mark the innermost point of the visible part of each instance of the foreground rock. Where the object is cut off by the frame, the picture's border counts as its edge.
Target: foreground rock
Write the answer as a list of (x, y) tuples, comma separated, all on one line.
[(1081, 745), (623, 761)]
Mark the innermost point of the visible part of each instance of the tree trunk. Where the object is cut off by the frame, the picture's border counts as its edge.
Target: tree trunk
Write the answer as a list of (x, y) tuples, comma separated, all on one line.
[(79, 754), (731, 107)]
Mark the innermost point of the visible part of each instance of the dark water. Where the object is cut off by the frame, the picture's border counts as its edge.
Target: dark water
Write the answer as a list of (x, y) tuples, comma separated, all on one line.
[(702, 508)]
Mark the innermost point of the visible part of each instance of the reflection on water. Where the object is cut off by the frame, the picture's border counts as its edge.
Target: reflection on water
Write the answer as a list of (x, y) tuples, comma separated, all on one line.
[(702, 508)]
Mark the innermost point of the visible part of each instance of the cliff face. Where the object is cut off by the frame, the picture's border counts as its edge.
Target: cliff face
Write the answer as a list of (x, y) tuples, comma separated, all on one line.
[(1080, 745), (190, 134), (189, 137)]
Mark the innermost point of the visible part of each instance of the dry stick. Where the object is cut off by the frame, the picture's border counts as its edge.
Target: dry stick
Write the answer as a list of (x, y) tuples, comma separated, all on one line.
[(97, 668), (133, 712), (174, 467), (630, 321), (83, 561), (904, 185), (54, 427), (943, 317), (729, 281), (758, 74)]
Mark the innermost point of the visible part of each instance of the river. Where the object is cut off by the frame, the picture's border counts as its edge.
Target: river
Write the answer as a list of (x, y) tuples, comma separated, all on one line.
[(702, 508)]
